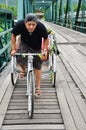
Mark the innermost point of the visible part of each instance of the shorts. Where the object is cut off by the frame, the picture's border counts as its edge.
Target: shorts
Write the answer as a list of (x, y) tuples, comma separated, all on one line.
[(23, 48)]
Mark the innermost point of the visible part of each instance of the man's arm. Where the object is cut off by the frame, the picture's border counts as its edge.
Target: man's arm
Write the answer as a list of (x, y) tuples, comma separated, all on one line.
[(46, 44), (13, 44), (45, 49)]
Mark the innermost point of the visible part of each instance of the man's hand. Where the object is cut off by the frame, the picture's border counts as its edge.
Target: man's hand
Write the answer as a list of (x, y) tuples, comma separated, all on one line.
[(13, 52), (44, 54)]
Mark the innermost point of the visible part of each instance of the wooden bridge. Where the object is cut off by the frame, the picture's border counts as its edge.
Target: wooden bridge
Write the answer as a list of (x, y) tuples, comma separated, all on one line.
[(59, 108)]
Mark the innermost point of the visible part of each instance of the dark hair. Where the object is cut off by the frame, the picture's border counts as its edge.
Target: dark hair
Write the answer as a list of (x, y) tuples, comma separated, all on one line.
[(31, 17)]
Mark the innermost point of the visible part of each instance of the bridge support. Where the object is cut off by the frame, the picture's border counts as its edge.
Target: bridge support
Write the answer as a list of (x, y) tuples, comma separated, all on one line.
[(61, 13), (69, 14), (24, 7)]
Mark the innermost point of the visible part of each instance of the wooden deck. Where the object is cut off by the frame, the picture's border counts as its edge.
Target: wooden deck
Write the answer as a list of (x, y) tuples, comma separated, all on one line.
[(60, 108)]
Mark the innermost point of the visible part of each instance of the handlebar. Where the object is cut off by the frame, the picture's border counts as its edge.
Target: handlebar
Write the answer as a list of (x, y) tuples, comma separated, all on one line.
[(28, 54)]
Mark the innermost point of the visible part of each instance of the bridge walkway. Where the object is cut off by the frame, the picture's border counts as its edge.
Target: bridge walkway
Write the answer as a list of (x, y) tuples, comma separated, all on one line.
[(59, 108)]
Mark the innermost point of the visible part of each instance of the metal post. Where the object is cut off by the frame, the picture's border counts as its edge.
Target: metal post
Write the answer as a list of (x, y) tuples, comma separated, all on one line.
[(52, 11), (71, 13), (26, 7), (77, 13), (56, 11), (83, 6), (20, 9), (48, 13), (61, 14), (30, 6)]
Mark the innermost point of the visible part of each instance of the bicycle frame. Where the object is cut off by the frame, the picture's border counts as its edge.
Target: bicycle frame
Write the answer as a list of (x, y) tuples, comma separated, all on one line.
[(29, 69), (30, 73), (30, 80), (52, 55)]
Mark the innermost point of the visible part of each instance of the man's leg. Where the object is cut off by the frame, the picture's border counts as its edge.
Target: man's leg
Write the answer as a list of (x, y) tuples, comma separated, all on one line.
[(38, 80), (22, 69)]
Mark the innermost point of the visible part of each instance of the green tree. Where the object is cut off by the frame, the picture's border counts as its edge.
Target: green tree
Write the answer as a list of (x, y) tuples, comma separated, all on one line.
[(13, 9)]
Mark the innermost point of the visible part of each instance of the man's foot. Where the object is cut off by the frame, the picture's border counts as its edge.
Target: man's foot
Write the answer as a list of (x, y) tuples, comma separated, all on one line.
[(22, 75), (38, 92)]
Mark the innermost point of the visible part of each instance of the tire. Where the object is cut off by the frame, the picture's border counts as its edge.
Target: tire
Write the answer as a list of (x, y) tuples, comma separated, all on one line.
[(31, 95), (14, 73), (12, 79), (53, 78)]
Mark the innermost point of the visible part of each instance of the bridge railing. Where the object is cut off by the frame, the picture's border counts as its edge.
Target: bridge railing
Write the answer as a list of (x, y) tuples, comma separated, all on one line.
[(71, 23), (5, 47)]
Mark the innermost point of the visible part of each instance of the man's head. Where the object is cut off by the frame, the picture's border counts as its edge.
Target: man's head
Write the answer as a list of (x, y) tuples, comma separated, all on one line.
[(31, 21)]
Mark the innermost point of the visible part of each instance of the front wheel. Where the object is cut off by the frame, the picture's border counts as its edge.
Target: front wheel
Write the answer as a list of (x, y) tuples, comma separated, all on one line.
[(30, 91), (14, 73), (14, 77)]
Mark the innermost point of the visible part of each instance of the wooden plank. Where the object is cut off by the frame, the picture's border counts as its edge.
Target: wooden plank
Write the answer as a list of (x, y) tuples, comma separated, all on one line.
[(60, 74), (34, 127), (35, 107), (49, 90), (37, 100), (59, 38), (74, 76), (71, 53), (64, 71), (66, 113), (44, 94), (37, 103), (3, 88), (82, 68), (33, 121), (64, 53), (77, 71), (77, 116), (35, 111), (36, 116), (47, 84), (4, 74), (19, 96), (82, 49), (5, 102), (80, 102)]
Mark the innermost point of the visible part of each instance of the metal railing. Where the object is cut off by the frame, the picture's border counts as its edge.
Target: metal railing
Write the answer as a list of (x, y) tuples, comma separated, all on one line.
[(5, 47)]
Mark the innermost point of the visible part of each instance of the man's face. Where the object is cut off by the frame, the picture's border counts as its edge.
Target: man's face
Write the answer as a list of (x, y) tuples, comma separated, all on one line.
[(30, 26)]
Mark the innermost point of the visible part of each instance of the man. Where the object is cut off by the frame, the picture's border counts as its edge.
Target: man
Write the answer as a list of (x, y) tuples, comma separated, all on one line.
[(31, 31)]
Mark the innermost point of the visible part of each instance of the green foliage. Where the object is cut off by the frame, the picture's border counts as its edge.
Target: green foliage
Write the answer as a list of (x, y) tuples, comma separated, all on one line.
[(75, 6), (1, 30), (13, 9)]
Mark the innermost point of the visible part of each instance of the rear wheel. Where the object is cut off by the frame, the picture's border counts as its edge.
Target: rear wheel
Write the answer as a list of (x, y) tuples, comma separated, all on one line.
[(30, 95), (53, 70), (53, 78), (13, 78)]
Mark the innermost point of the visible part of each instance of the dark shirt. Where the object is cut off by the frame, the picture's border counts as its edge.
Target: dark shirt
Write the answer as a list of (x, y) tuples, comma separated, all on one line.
[(33, 40)]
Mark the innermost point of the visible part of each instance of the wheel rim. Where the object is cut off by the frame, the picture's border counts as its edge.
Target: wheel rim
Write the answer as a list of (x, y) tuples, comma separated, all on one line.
[(31, 97)]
